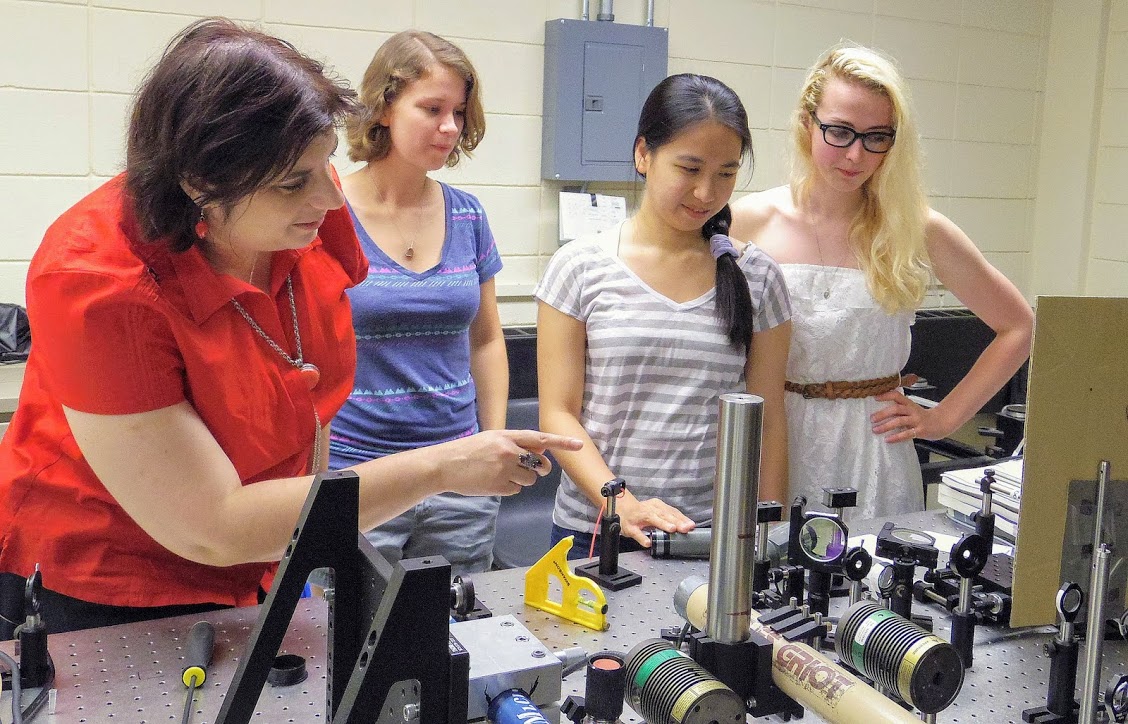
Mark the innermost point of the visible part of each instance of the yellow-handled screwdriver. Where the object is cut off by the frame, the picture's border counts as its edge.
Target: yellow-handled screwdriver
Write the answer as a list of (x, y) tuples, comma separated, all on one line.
[(197, 656)]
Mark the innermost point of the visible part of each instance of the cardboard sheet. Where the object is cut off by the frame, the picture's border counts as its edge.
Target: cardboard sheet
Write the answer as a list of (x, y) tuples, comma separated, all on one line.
[(1076, 416)]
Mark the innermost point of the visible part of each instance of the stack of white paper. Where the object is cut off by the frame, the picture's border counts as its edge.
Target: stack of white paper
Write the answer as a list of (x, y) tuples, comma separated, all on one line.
[(959, 492)]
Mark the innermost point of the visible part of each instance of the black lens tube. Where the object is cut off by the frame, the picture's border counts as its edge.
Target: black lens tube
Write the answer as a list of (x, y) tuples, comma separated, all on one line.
[(606, 686)]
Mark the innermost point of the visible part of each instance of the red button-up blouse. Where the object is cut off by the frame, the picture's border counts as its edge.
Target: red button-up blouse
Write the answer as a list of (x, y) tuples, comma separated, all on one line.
[(123, 326)]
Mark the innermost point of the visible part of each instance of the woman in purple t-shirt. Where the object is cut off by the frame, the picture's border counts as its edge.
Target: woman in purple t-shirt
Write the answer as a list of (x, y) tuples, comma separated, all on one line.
[(431, 363)]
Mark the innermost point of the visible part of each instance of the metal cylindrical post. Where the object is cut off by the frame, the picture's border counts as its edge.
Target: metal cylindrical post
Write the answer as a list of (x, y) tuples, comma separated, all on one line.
[(1094, 634), (736, 491), (1104, 472)]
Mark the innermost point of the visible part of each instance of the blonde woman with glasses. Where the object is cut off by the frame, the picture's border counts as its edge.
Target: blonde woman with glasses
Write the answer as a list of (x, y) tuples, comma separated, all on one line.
[(858, 243)]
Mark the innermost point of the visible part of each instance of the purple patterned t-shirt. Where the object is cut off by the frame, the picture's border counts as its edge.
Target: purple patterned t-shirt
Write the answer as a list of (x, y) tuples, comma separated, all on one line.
[(413, 385)]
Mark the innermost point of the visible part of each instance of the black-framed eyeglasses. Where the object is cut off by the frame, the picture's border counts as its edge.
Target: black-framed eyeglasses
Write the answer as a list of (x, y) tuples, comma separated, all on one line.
[(844, 137)]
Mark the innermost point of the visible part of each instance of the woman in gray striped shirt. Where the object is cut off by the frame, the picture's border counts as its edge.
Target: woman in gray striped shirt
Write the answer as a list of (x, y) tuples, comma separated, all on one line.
[(642, 327)]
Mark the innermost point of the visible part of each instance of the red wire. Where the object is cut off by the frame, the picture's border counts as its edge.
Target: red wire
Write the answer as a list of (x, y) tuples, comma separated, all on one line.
[(595, 532)]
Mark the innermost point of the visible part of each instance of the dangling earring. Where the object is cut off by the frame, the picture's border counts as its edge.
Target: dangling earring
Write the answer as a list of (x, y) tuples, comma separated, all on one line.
[(202, 226)]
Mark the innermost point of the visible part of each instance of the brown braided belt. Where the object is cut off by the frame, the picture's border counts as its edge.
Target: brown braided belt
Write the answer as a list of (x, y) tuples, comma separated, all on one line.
[(849, 390)]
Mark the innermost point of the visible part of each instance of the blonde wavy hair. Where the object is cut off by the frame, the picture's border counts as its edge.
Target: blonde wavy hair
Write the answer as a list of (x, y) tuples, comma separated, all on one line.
[(887, 233), (402, 59)]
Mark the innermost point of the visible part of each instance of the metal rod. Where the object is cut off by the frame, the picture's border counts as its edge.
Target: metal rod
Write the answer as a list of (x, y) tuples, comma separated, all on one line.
[(606, 10), (1094, 635), (1066, 632), (933, 596), (1103, 473), (586, 14), (762, 542), (965, 594), (736, 491), (650, 13), (855, 592)]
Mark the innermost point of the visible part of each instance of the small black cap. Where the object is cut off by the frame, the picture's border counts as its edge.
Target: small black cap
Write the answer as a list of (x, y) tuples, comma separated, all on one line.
[(287, 670)]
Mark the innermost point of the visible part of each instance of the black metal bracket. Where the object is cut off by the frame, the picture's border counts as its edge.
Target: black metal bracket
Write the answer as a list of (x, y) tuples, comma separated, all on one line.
[(387, 625), (746, 668)]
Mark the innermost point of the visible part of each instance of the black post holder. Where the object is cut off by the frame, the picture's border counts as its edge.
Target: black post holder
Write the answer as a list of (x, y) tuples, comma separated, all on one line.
[(606, 571)]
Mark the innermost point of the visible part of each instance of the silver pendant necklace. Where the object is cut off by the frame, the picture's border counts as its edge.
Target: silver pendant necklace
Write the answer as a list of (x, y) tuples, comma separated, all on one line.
[(307, 370), (822, 262)]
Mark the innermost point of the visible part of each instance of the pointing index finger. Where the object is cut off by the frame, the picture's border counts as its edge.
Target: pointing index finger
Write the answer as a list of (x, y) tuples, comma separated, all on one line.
[(541, 441)]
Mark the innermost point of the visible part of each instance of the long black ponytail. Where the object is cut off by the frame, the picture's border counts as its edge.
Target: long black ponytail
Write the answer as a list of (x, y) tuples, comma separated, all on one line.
[(676, 103), (734, 301)]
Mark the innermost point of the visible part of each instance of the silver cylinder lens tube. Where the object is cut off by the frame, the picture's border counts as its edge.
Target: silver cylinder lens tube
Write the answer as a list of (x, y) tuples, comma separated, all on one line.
[(694, 544), (735, 494)]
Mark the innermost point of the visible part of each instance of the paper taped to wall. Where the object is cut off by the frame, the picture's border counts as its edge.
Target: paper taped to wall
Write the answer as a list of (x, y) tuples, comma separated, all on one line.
[(582, 214)]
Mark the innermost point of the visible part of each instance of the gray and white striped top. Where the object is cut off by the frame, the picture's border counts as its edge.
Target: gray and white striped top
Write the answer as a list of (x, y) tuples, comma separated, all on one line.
[(654, 371)]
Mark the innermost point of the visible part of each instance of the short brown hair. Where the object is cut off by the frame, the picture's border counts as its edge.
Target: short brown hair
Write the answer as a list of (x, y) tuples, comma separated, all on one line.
[(403, 59), (226, 109)]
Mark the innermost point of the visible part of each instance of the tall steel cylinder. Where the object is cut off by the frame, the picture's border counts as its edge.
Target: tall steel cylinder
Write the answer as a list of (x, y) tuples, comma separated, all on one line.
[(735, 493)]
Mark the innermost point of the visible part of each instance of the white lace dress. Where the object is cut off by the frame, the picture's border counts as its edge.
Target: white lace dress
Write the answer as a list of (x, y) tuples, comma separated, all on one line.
[(845, 336)]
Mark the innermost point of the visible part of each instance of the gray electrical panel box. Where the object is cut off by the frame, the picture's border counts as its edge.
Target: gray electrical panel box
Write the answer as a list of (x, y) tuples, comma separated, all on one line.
[(597, 75)]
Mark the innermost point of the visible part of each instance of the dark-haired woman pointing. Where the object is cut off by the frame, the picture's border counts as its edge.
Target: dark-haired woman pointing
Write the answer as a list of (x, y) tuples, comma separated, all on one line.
[(192, 337)]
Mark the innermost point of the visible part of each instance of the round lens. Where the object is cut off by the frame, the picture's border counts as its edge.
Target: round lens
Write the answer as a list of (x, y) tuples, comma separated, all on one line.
[(1069, 599), (822, 539), (912, 537)]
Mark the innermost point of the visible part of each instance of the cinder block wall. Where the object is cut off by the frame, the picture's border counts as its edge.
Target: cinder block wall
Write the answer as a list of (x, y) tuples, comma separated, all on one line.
[(977, 68)]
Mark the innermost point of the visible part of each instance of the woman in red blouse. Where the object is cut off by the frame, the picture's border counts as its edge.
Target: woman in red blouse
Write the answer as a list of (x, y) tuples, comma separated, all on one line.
[(192, 336)]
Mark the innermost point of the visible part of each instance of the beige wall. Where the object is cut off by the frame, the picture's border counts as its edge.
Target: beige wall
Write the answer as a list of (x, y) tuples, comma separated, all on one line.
[(1107, 272), (977, 70)]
